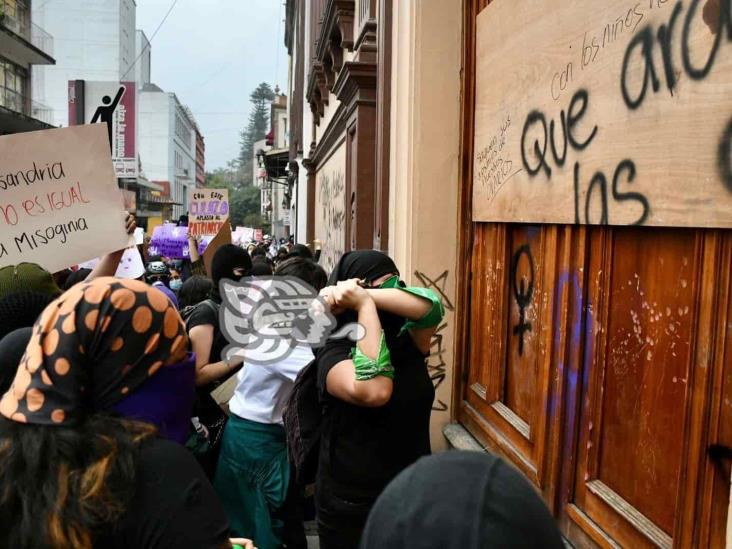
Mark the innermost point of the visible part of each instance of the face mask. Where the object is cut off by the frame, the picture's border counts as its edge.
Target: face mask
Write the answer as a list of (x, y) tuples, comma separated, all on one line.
[(175, 284), (391, 282)]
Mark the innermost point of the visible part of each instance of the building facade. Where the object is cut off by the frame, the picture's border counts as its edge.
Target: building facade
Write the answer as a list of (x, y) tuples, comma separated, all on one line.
[(95, 43), (200, 158), (592, 357), (168, 144), (144, 59), (23, 45)]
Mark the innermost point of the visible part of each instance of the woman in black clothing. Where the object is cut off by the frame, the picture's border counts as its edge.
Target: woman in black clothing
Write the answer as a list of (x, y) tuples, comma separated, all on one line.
[(230, 262), (377, 395), (75, 469)]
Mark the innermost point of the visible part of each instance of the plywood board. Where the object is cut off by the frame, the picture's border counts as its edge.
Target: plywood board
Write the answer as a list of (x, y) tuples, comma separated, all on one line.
[(615, 112)]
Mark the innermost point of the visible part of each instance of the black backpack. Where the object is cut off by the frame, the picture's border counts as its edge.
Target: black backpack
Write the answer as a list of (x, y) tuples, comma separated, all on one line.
[(303, 419)]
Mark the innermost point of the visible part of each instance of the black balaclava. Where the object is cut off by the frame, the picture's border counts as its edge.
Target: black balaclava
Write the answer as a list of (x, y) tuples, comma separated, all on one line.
[(367, 265), (461, 500), (12, 348), (227, 258)]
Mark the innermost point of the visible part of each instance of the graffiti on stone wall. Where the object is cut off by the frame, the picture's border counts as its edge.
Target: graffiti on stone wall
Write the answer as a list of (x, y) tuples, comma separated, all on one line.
[(437, 362), (332, 222)]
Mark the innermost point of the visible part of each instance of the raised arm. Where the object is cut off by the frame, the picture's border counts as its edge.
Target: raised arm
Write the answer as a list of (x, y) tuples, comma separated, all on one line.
[(206, 372), (108, 264), (345, 380)]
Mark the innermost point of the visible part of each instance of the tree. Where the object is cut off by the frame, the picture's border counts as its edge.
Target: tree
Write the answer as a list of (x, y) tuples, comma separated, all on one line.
[(256, 130)]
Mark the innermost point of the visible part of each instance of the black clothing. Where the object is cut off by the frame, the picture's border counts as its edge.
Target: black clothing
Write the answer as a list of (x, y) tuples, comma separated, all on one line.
[(461, 500), (12, 348), (21, 308), (174, 505), (208, 412), (365, 264), (362, 449)]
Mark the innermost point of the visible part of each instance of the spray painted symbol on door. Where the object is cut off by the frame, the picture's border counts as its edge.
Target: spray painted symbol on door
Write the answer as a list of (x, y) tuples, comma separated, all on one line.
[(522, 293)]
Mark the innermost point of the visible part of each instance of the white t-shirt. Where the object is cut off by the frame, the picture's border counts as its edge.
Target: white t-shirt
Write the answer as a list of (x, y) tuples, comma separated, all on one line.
[(262, 390)]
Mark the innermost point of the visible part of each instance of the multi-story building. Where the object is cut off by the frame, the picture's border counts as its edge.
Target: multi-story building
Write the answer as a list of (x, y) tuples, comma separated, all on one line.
[(94, 41), (168, 143), (200, 151), (23, 45), (144, 54), (273, 171), (200, 159)]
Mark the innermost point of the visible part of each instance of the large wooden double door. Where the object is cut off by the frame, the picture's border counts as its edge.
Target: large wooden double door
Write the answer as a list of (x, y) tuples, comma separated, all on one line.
[(598, 360)]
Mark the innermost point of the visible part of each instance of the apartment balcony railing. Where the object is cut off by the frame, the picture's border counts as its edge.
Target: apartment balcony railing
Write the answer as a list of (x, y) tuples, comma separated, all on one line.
[(15, 16), (22, 104)]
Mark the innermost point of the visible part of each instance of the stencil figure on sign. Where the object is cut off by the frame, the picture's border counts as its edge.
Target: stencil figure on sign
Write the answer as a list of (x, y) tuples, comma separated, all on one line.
[(105, 113)]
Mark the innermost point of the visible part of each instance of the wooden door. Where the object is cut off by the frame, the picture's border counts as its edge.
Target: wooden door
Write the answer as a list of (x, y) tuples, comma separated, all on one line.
[(598, 360)]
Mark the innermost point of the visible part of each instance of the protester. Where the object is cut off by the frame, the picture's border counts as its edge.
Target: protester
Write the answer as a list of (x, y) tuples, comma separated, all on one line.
[(281, 255), (207, 341), (79, 275), (176, 277), (252, 476), (461, 500), (377, 395), (193, 291), (107, 480), (261, 267), (157, 274), (300, 250)]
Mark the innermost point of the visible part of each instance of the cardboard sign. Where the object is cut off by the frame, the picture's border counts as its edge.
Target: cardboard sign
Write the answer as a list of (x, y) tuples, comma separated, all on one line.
[(616, 112), (169, 240), (59, 200), (208, 209), (224, 237)]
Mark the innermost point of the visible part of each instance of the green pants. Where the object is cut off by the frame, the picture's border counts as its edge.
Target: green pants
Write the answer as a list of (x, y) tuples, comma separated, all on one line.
[(251, 480)]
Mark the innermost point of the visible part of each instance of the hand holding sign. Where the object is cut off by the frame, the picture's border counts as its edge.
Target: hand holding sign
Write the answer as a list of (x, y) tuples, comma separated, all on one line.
[(58, 193), (208, 210)]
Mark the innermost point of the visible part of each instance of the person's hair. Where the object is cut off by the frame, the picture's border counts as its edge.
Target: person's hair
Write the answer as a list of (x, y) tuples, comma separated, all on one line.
[(304, 269), (300, 250), (74, 278), (63, 486), (258, 252), (261, 267), (194, 290)]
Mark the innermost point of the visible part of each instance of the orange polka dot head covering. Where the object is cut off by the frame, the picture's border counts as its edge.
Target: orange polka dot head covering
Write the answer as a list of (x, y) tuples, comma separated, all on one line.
[(91, 347)]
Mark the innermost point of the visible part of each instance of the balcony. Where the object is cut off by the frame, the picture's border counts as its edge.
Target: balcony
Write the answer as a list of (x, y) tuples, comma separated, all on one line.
[(19, 113), (22, 41)]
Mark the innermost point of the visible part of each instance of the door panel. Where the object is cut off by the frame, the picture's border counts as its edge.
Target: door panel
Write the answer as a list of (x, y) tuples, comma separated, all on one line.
[(508, 384), (640, 316)]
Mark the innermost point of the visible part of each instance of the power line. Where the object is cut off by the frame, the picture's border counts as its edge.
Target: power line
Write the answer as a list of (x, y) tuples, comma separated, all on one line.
[(134, 63)]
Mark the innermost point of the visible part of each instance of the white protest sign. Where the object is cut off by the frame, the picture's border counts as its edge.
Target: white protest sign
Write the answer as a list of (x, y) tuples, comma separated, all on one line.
[(131, 265), (59, 200)]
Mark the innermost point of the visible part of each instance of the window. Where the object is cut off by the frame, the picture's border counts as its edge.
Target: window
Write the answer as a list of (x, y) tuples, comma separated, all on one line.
[(13, 86)]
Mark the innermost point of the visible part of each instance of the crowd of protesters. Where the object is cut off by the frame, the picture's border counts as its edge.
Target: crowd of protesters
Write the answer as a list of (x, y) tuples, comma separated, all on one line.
[(110, 435)]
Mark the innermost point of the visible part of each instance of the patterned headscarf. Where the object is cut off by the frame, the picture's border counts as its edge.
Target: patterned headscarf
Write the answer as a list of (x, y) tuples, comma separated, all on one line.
[(91, 347)]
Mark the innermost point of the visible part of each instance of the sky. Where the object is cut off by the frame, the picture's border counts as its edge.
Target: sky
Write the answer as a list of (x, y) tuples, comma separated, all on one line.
[(212, 54)]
